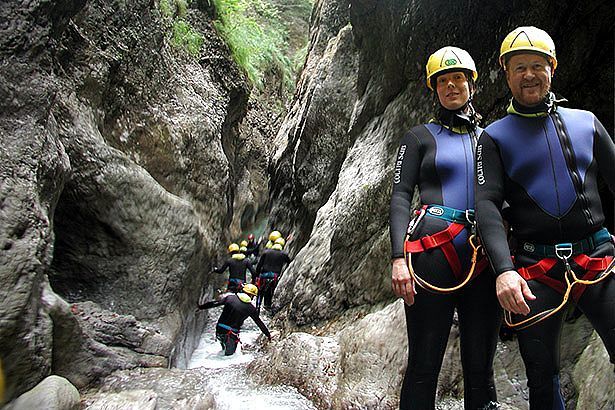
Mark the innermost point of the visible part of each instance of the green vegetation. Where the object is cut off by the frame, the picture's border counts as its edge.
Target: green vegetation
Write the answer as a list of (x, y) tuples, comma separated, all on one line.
[(258, 39), (184, 36)]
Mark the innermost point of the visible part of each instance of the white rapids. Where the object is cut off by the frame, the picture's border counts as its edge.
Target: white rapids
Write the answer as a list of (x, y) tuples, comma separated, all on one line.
[(231, 386)]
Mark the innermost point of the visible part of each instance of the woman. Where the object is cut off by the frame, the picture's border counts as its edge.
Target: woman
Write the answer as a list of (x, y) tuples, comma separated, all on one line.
[(438, 157)]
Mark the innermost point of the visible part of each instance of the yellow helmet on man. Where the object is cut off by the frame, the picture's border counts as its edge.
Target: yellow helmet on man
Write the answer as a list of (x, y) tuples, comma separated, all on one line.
[(449, 59), (280, 241), (243, 243), (274, 235), (233, 248), (530, 39)]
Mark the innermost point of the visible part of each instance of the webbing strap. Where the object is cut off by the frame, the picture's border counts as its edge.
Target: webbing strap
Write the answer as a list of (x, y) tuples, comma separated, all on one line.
[(436, 240), (442, 240), (591, 266)]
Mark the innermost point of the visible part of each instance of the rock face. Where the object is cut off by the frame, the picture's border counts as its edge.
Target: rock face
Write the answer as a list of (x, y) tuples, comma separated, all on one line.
[(362, 87), (152, 389), (53, 393), (121, 154)]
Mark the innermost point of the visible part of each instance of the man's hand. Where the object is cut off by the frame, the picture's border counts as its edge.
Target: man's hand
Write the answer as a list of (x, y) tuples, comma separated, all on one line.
[(403, 285), (512, 291)]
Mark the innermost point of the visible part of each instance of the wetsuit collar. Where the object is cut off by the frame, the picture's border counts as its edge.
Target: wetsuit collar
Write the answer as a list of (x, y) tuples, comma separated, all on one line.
[(547, 106), (456, 121)]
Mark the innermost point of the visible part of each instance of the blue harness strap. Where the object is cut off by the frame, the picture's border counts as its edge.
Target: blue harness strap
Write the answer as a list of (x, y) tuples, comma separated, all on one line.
[(585, 246), (450, 214), (226, 327)]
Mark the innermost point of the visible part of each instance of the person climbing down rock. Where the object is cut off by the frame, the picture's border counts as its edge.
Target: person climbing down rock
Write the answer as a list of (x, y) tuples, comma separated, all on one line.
[(237, 307), (237, 265)]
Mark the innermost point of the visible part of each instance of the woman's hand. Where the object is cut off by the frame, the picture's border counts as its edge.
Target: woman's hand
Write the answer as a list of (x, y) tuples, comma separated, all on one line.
[(403, 285)]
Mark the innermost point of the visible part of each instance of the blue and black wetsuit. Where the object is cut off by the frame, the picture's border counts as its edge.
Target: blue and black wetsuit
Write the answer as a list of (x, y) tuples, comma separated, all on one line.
[(545, 163), (439, 159), (268, 271), (237, 266), (236, 309)]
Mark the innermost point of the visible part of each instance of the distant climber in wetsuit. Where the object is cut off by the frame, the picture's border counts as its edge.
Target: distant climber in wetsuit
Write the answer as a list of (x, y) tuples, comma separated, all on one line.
[(544, 161), (252, 251), (269, 268), (237, 307), (438, 158), (237, 266)]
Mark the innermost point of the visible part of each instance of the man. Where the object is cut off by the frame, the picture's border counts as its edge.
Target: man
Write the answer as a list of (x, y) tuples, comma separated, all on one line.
[(268, 271), (237, 265), (252, 248), (237, 307), (544, 161)]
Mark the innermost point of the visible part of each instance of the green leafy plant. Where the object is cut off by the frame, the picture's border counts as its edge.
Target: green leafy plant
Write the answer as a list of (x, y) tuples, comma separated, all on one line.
[(256, 38), (184, 36)]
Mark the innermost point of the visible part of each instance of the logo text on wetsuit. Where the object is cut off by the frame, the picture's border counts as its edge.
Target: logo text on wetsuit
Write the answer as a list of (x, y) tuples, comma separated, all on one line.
[(400, 159), (480, 175)]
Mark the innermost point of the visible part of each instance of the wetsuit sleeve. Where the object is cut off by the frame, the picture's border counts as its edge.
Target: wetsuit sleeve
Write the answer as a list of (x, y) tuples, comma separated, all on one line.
[(259, 265), (489, 175), (405, 178), (221, 268), (259, 323), (250, 267), (604, 152), (213, 303)]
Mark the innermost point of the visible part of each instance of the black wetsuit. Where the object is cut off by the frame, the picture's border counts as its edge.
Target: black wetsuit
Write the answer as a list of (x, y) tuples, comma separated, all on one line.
[(441, 163), (233, 315), (252, 250), (268, 270), (545, 163), (237, 266)]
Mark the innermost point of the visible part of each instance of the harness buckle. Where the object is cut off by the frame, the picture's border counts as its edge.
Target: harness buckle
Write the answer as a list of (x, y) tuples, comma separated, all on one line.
[(415, 221), (470, 217), (563, 250)]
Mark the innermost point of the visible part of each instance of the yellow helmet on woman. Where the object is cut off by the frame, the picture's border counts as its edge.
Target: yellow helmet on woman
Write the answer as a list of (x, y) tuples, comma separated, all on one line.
[(530, 39), (449, 59)]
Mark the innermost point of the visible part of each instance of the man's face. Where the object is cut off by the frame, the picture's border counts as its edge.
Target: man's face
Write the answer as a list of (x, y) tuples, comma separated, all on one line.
[(529, 78), (453, 90)]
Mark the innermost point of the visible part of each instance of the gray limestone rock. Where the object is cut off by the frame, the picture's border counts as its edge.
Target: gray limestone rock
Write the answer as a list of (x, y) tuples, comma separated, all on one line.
[(53, 393)]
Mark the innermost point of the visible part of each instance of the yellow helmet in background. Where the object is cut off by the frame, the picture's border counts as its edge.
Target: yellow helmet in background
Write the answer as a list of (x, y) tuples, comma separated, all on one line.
[(243, 243), (233, 248), (243, 249), (280, 241), (277, 247), (250, 289), (449, 59), (274, 235), (530, 39)]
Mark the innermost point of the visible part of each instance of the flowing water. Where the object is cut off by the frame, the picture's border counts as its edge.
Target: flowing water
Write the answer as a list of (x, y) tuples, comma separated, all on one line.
[(230, 384)]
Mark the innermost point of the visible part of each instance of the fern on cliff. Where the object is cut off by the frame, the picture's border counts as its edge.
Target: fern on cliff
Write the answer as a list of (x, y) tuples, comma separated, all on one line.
[(184, 36), (257, 39)]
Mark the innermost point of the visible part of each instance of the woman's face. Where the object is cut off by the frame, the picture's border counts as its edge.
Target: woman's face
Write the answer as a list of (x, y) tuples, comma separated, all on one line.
[(453, 90)]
